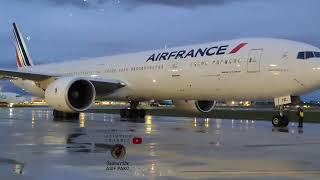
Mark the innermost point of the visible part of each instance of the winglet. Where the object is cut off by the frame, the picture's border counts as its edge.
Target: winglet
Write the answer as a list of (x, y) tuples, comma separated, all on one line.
[(22, 53)]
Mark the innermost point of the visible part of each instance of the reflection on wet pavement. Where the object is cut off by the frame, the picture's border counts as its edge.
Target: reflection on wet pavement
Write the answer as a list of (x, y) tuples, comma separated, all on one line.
[(15, 166), (103, 146)]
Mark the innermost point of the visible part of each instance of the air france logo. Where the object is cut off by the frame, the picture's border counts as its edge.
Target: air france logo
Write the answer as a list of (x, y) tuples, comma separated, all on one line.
[(183, 54)]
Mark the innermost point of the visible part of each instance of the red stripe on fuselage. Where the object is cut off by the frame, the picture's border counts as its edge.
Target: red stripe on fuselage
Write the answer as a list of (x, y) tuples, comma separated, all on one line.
[(19, 63), (236, 49)]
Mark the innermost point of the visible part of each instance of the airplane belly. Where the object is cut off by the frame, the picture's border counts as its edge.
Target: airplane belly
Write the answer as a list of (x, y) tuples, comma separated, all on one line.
[(236, 86)]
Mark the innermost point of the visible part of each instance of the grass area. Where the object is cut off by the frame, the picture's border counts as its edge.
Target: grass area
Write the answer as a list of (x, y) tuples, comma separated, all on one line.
[(310, 116)]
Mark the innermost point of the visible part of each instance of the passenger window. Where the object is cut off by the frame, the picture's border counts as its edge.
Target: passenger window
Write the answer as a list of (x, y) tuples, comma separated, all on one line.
[(309, 54), (301, 55)]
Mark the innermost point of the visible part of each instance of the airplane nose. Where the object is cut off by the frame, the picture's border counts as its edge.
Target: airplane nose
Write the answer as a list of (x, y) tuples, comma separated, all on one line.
[(316, 72), (317, 69)]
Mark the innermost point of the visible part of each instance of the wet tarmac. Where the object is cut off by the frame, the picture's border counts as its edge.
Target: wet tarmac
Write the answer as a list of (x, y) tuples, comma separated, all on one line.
[(103, 146)]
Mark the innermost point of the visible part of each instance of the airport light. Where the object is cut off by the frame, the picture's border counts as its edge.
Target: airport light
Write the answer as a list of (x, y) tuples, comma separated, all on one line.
[(10, 112), (82, 121), (218, 123), (207, 122), (32, 119), (148, 129)]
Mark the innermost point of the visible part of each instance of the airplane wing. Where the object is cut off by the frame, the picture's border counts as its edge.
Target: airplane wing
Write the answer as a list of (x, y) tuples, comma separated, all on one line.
[(102, 86), (8, 73)]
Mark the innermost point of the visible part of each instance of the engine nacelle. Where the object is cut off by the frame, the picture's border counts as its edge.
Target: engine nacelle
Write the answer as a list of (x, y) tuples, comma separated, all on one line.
[(205, 106), (195, 106), (70, 94)]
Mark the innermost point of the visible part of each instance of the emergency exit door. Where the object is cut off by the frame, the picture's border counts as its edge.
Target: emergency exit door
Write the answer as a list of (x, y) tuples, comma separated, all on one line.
[(254, 58)]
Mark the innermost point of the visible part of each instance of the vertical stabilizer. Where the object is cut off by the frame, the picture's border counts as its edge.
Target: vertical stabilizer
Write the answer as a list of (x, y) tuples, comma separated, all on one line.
[(22, 53)]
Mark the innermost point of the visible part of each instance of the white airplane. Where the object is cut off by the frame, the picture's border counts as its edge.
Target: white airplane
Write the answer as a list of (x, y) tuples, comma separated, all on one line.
[(11, 98), (194, 76)]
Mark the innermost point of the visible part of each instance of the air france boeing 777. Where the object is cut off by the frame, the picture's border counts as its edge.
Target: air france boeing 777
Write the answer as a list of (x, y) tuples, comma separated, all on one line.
[(194, 76)]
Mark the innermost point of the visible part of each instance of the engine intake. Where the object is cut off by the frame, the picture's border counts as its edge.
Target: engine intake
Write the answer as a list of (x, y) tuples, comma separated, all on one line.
[(70, 94), (205, 106)]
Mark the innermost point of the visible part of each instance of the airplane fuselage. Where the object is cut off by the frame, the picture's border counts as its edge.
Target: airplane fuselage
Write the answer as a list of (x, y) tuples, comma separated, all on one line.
[(238, 69)]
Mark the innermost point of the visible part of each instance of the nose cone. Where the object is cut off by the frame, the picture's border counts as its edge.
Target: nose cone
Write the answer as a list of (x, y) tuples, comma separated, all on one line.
[(308, 67), (312, 75)]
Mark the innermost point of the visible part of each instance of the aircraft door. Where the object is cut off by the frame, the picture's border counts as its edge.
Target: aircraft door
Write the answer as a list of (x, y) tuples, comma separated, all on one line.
[(176, 69), (253, 61), (177, 72)]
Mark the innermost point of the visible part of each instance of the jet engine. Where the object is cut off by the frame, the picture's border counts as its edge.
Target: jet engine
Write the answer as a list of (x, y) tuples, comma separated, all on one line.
[(195, 106), (70, 94)]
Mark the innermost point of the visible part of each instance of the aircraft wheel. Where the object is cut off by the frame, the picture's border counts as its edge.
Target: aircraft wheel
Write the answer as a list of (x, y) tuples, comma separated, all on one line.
[(276, 121), (142, 113), (132, 113), (122, 113), (285, 121), (280, 121), (64, 115)]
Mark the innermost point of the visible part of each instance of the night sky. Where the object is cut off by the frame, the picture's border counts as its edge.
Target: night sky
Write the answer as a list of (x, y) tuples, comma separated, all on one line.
[(61, 30)]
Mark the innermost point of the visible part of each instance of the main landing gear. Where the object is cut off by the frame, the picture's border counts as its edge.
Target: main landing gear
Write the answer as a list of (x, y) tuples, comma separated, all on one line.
[(280, 119), (133, 112), (59, 115)]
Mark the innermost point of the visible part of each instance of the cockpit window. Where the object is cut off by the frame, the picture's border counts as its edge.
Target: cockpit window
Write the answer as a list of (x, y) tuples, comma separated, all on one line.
[(301, 55), (308, 55), (317, 54)]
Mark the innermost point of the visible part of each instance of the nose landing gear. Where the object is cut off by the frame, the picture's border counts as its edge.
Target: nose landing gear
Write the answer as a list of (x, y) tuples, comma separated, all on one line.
[(279, 119)]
